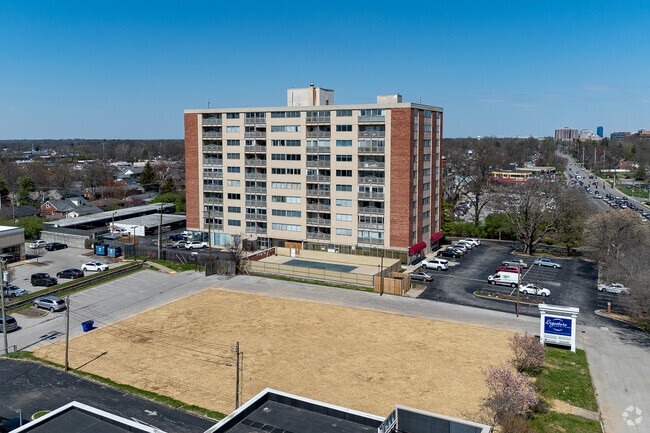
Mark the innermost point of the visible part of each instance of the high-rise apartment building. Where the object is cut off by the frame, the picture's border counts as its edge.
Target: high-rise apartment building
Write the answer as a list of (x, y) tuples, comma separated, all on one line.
[(318, 175), (599, 131), (566, 134)]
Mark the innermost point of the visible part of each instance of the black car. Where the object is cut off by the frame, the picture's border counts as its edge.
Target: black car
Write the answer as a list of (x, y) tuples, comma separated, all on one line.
[(53, 246), (178, 237), (70, 273), (450, 252), (43, 279)]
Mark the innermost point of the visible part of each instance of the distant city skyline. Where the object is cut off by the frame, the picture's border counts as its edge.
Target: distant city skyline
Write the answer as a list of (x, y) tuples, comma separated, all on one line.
[(129, 69)]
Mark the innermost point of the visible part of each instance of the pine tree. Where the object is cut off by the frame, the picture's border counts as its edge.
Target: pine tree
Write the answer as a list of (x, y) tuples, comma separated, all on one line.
[(149, 178)]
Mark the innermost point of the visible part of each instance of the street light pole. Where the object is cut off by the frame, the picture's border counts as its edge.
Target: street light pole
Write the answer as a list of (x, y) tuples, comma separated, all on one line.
[(5, 280)]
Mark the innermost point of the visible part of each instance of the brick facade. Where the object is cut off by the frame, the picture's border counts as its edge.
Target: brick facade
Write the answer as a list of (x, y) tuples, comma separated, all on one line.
[(192, 175), (401, 198)]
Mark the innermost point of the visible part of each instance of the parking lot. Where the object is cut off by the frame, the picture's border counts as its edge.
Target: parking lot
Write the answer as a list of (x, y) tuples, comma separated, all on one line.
[(572, 285), (51, 262)]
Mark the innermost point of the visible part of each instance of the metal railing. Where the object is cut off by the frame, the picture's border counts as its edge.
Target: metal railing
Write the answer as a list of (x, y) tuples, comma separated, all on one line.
[(372, 164), (371, 195), (212, 200), (211, 121), (255, 134), (318, 163), (372, 241), (318, 149), (258, 230), (258, 203), (373, 149), (256, 217), (319, 221), (372, 210), (213, 161), (212, 134), (371, 134), (319, 119), (318, 235), (212, 187), (371, 180), (255, 175), (212, 174), (255, 148), (318, 134), (254, 120), (256, 162), (371, 119), (256, 189), (318, 207), (317, 178), (318, 193), (212, 148), (371, 226)]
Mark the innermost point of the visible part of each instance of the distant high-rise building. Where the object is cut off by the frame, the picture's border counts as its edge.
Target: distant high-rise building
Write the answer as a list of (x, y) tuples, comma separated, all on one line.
[(619, 135), (643, 133), (566, 134), (599, 131)]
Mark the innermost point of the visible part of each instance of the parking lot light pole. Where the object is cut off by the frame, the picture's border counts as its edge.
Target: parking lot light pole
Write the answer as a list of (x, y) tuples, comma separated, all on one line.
[(5, 281)]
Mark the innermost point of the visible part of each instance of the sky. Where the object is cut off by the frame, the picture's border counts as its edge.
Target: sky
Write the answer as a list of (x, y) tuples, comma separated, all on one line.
[(128, 69)]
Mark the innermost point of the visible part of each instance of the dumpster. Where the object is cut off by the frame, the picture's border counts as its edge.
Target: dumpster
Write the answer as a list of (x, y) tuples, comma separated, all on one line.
[(87, 325), (100, 250), (114, 251)]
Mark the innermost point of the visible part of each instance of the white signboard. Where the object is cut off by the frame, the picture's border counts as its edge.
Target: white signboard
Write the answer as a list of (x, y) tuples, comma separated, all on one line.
[(558, 325)]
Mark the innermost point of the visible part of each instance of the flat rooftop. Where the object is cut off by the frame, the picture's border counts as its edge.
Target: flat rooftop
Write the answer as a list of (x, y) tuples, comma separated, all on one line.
[(108, 216), (151, 220)]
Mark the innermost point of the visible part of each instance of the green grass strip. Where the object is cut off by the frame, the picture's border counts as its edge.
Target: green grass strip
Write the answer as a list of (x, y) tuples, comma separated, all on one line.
[(554, 422), (566, 377), (179, 267), (316, 282), (168, 401)]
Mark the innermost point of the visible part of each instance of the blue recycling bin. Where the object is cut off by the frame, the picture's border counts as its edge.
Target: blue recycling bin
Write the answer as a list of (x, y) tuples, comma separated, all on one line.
[(114, 251), (87, 325), (100, 250)]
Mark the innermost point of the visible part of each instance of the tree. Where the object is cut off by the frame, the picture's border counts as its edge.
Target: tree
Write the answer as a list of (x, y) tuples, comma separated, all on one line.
[(25, 187), (510, 393), (62, 177), (572, 210), (97, 175), (32, 226), (168, 186), (149, 178), (178, 198), (533, 211), (499, 224), (4, 189), (529, 353)]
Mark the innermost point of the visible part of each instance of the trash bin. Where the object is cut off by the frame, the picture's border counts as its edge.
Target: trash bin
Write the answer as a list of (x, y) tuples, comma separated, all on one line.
[(87, 325), (114, 251), (100, 250)]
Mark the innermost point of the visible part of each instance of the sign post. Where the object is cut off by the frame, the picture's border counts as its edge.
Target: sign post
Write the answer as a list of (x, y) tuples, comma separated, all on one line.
[(558, 325)]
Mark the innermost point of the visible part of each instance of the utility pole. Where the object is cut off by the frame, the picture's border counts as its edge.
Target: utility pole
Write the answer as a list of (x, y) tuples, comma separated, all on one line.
[(67, 330), (5, 280), (210, 239), (381, 282), (237, 380), (160, 232)]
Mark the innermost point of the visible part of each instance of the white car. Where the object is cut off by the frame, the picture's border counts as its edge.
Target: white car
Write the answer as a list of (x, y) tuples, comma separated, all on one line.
[(37, 244), (438, 264), (196, 244), (94, 266), (468, 245), (534, 289), (613, 288), (475, 242)]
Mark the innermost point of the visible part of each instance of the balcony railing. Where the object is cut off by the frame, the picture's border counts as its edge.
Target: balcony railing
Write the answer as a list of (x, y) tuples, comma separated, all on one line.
[(319, 222), (317, 178), (256, 189), (212, 214), (258, 230), (254, 120), (211, 121), (319, 163), (318, 149), (212, 175), (255, 148), (258, 203), (372, 119), (318, 193), (373, 149), (372, 241), (371, 164), (318, 207), (371, 195), (213, 188), (256, 162), (371, 226), (371, 180), (212, 134), (212, 161), (319, 119), (254, 175), (318, 235), (213, 200), (255, 134), (255, 217), (372, 134), (318, 134), (212, 148), (372, 210)]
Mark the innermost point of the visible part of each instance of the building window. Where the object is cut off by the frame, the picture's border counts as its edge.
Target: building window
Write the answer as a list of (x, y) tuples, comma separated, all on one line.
[(341, 202), (286, 185), (343, 113), (344, 158), (285, 157), (285, 128), (232, 115), (427, 143), (234, 196), (234, 209), (427, 128), (287, 143), (426, 186), (234, 183), (293, 171), (236, 223), (345, 188), (286, 199), (373, 112), (343, 217), (234, 169), (286, 227), (232, 128), (344, 232), (343, 128), (284, 114), (426, 157), (344, 173), (232, 156), (232, 142), (344, 143), (427, 113), (426, 200)]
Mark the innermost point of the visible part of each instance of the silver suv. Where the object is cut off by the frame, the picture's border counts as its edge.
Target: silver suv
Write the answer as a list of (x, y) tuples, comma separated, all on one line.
[(52, 303), (438, 264)]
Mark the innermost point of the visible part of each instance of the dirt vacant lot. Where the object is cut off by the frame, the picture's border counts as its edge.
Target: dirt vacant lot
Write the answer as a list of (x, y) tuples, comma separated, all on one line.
[(359, 359)]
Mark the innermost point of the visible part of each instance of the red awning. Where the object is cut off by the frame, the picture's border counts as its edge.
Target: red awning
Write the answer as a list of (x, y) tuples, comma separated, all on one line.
[(436, 236), (417, 248)]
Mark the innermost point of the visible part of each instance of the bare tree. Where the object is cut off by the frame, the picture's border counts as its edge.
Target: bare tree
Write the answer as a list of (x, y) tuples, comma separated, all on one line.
[(572, 210)]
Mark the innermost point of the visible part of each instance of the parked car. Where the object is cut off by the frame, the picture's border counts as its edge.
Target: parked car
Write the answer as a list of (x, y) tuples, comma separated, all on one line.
[(195, 244), (94, 267), (504, 279), (43, 279), (53, 246), (468, 245), (547, 262), (11, 324), (450, 252), (423, 276), (534, 289), (12, 291), (37, 244), (70, 274), (460, 247), (518, 263), (476, 242), (180, 244), (52, 303), (438, 264), (178, 237), (614, 288), (508, 269), (119, 231)]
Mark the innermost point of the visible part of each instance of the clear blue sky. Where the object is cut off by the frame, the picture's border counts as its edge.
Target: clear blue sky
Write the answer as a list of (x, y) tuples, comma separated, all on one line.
[(128, 69)]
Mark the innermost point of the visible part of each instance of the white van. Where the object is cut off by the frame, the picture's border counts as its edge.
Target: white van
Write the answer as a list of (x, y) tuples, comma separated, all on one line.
[(505, 279)]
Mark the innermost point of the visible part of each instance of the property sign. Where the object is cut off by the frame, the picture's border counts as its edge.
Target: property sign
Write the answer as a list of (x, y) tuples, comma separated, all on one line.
[(558, 325)]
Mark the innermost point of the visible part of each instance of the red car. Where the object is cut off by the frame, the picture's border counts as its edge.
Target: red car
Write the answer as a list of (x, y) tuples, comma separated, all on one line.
[(509, 269)]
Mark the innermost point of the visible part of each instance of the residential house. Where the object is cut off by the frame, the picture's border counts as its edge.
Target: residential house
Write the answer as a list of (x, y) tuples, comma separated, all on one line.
[(69, 208)]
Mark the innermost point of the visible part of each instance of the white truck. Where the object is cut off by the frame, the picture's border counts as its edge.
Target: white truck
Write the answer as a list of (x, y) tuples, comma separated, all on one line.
[(505, 279)]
